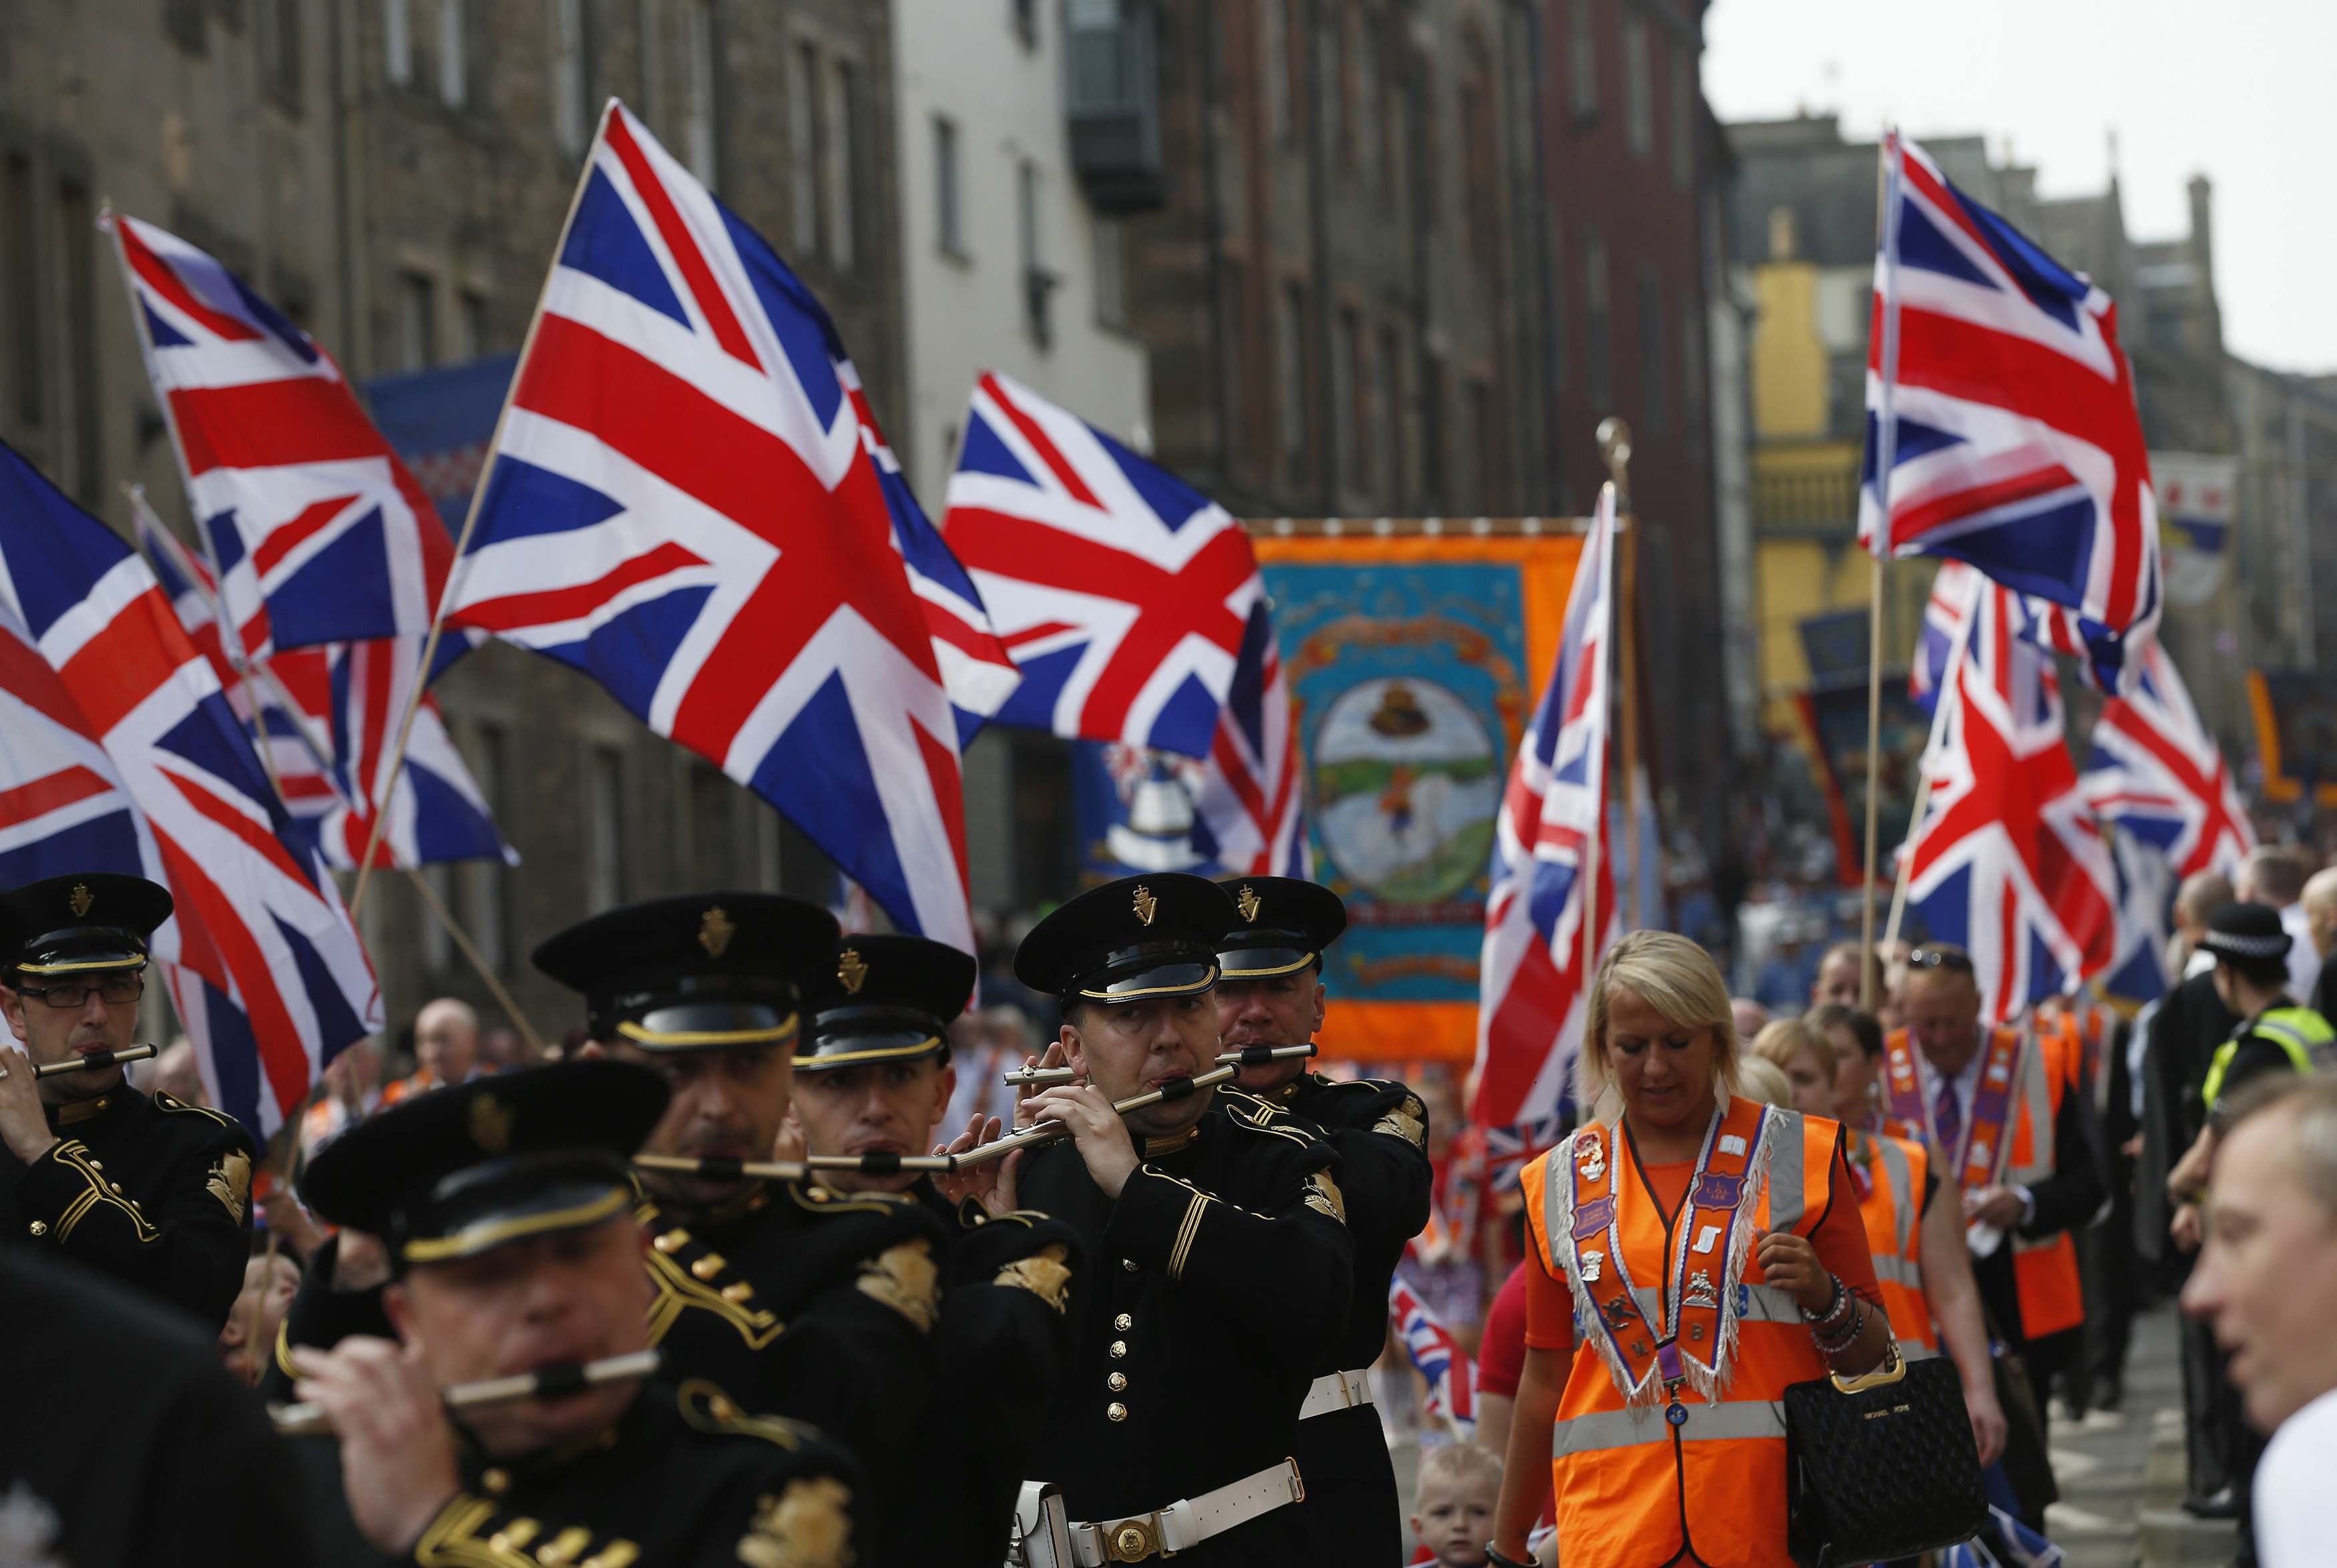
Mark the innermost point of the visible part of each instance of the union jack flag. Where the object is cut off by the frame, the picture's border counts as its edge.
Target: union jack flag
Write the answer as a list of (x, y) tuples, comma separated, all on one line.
[(319, 533), (326, 718), (2156, 773), (2001, 409), (2138, 972), (2004, 857), (1533, 979), (1125, 596), (686, 502), (1451, 1376), (119, 752)]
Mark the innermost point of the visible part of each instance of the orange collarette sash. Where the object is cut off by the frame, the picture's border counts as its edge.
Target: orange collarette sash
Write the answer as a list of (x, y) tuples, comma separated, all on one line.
[(1988, 1130), (1699, 1300)]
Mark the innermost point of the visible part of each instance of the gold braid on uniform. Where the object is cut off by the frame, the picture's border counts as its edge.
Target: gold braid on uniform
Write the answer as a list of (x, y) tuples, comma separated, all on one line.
[(453, 1541), (680, 1286), (1408, 1121), (75, 1155), (230, 1181), (1045, 1273), (706, 1407), (805, 1526), (905, 1278)]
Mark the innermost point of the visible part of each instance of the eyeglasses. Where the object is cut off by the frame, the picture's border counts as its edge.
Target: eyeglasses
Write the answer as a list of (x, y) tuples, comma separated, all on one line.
[(1947, 959), (114, 988)]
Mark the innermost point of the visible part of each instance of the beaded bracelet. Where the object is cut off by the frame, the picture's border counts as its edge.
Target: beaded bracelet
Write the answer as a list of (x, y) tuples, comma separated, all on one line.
[(1834, 1347), (1835, 1306)]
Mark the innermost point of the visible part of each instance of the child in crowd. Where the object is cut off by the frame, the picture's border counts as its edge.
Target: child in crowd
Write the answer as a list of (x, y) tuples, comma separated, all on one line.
[(1452, 1505)]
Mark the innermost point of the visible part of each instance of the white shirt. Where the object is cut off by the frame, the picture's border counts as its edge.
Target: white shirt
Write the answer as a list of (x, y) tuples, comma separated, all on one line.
[(2304, 959), (2297, 1507)]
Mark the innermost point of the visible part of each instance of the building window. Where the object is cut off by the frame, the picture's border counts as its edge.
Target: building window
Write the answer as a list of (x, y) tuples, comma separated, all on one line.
[(1346, 393), (1038, 282), (1234, 333), (1582, 60), (570, 71), (1638, 86), (454, 73), (471, 324), (1294, 67), (398, 41), (948, 213), (604, 867), (1331, 48), (1363, 67), (1432, 434), (1278, 68), (803, 147), (1379, 101), (1654, 392), (417, 321), (1111, 274), (839, 154), (1026, 23), (1387, 409), (1481, 159), (1684, 105), (77, 220), (1487, 432), (1290, 369), (1693, 413), (1599, 350), (698, 128), (278, 35), (19, 280)]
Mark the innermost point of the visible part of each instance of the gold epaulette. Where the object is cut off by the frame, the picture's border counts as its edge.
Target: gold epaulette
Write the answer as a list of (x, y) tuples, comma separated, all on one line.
[(708, 1410), (166, 1101)]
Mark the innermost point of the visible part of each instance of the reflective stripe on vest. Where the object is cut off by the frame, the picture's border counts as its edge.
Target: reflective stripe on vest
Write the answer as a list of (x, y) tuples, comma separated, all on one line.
[(2036, 1075), (2295, 1031), (1737, 1420), (1896, 1238)]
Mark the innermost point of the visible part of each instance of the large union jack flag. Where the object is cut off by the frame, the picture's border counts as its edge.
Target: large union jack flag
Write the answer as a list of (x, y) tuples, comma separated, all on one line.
[(2004, 857), (686, 502), (1439, 1357), (2156, 773), (1532, 979), (119, 752), (2001, 409), (1124, 595), (325, 718), (319, 533)]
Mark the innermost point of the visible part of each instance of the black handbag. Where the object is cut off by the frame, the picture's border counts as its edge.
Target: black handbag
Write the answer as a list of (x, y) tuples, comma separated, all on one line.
[(1880, 1467)]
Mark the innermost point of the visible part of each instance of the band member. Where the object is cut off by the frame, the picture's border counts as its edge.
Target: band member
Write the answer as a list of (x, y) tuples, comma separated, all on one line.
[(1218, 1257), (799, 1300), (874, 1078), (152, 1191), (507, 1207), (1270, 993)]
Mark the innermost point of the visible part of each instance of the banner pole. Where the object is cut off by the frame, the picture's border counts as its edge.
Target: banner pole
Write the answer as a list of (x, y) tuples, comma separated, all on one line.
[(1878, 546), (1615, 446)]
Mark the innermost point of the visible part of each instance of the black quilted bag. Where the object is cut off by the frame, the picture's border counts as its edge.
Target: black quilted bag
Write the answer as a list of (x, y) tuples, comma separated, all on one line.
[(1880, 1467)]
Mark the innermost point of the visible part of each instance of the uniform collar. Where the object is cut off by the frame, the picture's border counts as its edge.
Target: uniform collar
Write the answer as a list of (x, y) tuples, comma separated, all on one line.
[(495, 1475), (1175, 1142), (79, 1113)]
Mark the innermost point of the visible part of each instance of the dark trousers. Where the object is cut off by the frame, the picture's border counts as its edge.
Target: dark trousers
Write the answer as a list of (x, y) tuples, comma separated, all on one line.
[(2215, 1433)]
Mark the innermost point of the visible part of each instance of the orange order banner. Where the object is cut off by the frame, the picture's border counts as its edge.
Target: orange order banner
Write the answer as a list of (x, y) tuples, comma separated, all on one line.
[(1441, 638)]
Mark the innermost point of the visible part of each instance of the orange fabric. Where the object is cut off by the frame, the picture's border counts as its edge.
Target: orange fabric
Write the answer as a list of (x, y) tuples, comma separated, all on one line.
[(1638, 1493), (418, 1083), (1895, 1234)]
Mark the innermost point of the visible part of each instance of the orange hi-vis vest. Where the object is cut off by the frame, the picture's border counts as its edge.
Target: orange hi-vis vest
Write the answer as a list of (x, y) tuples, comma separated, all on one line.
[(1682, 1472), (1892, 1208), (2028, 1076)]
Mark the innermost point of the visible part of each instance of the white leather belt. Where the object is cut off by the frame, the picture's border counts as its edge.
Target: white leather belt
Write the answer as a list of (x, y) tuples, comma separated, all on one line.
[(1178, 1528), (1336, 1391)]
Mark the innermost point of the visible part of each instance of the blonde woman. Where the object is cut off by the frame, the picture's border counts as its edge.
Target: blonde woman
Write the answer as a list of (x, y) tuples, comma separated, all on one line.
[(1710, 1250), (1920, 1256)]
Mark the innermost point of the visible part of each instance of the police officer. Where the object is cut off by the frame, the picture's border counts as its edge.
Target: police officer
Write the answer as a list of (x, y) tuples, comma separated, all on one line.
[(800, 1300), (1270, 993), (506, 1205), (1219, 1258), (874, 1079), (152, 1191)]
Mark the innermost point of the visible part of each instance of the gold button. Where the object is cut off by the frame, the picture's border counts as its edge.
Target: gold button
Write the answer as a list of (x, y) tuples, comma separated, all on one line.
[(514, 1535), (711, 1265), (40, 1227), (1129, 1264), (1116, 1411), (739, 1292), (722, 1407), (496, 1482), (115, 1185), (1119, 1348), (1123, 1322), (1116, 1382), (97, 1165), (671, 1241)]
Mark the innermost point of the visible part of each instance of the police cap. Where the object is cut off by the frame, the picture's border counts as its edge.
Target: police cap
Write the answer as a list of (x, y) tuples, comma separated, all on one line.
[(83, 923), (2246, 933), (885, 998), (462, 1170), (1130, 940), (1284, 924), (698, 973)]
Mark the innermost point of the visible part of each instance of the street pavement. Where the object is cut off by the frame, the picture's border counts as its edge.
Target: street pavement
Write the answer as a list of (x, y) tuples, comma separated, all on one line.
[(2121, 1471)]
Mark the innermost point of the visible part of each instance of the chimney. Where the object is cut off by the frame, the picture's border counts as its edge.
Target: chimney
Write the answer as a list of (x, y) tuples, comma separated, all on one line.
[(2203, 226)]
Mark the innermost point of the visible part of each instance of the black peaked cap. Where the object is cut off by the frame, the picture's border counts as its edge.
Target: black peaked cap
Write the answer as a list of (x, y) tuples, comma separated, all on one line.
[(1283, 924), (885, 998), (1129, 940), (705, 971), (86, 923)]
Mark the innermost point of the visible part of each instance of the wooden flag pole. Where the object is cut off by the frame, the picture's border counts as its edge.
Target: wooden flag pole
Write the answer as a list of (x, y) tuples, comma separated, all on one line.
[(1878, 547), (1866, 954), (471, 521), (478, 960), (1592, 917), (1615, 446)]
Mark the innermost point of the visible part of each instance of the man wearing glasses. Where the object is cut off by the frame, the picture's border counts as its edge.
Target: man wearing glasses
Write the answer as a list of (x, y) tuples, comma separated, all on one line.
[(154, 1192)]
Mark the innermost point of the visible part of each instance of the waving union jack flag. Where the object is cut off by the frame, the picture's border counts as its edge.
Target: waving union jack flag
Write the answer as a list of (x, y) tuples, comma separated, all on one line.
[(118, 752), (1124, 595), (320, 533), (2001, 409), (1533, 979), (686, 502), (2005, 860), (1451, 1376), (2156, 773)]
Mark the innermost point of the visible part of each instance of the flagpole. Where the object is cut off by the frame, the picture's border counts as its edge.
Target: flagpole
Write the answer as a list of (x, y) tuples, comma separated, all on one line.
[(478, 960), (1886, 438), (1615, 446), (1950, 690), (1592, 918), (471, 518)]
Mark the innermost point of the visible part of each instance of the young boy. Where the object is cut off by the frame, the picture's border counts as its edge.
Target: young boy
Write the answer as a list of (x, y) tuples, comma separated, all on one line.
[(1452, 1506)]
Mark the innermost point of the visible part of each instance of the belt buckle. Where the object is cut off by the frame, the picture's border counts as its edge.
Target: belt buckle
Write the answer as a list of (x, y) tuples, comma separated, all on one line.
[(1133, 1540)]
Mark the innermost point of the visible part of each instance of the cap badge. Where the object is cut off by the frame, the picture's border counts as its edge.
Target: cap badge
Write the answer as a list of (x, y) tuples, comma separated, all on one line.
[(491, 1124), (81, 900), (715, 930), (1248, 901), (1144, 903), (851, 971)]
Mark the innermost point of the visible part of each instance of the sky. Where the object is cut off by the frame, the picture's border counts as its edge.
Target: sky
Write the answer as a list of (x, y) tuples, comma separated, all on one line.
[(2242, 90)]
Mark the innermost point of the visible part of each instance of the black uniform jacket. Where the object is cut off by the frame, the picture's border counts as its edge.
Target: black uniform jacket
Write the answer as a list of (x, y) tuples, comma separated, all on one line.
[(126, 1443), (1005, 1334), (813, 1305), (684, 1479), (1210, 1285), (154, 1192)]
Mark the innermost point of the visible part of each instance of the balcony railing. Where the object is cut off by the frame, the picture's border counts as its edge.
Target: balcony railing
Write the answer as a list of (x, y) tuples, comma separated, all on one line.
[(1112, 95), (1822, 502)]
